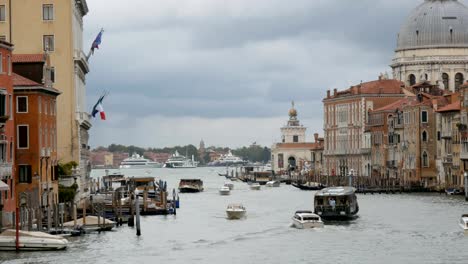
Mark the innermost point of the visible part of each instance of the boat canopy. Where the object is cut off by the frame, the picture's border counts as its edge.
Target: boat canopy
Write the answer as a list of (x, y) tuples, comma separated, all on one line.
[(336, 191)]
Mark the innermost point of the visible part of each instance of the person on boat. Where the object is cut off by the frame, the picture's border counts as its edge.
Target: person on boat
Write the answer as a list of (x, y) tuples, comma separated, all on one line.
[(332, 203)]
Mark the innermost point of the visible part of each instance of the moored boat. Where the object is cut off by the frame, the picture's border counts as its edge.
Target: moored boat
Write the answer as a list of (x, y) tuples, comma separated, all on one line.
[(138, 162), (31, 241), (190, 185), (309, 186), (273, 184), (306, 219), (224, 190), (177, 161), (235, 211), (90, 224), (339, 203)]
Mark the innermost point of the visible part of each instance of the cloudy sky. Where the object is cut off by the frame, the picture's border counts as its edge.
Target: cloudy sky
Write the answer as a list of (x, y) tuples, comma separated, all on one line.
[(226, 70)]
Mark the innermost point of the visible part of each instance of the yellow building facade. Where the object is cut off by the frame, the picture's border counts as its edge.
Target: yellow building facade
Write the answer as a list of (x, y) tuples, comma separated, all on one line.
[(56, 27)]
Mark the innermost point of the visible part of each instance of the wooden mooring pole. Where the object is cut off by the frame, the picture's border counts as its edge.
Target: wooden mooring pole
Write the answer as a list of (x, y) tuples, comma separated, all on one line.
[(137, 210)]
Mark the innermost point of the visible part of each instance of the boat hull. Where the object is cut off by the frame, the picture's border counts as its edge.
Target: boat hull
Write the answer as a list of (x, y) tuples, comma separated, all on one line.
[(32, 243), (255, 187), (306, 224), (235, 214), (307, 188), (189, 190), (224, 192)]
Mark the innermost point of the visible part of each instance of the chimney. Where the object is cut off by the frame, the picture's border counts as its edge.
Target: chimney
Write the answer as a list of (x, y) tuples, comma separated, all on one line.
[(335, 91), (434, 104), (328, 93), (316, 137)]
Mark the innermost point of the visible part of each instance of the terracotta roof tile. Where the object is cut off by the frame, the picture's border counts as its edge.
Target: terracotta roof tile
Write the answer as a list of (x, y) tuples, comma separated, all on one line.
[(394, 106), (373, 87), (19, 80), (455, 106), (28, 58)]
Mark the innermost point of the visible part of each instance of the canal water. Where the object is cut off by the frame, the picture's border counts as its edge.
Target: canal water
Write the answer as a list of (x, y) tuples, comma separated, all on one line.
[(399, 228)]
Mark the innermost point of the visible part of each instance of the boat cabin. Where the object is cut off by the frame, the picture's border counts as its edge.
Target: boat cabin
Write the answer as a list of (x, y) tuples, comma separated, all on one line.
[(336, 202)]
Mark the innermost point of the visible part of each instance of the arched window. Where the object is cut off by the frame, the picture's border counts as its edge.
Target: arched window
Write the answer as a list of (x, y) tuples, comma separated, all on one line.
[(425, 160), (412, 79), (424, 136), (459, 79), (445, 79)]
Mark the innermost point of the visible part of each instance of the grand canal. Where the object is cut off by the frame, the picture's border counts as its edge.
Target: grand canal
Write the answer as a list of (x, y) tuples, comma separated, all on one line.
[(403, 228)]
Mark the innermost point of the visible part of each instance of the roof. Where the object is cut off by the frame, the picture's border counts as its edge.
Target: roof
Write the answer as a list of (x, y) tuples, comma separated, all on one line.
[(19, 80), (383, 86), (393, 106), (28, 58), (435, 24), (336, 191), (455, 106)]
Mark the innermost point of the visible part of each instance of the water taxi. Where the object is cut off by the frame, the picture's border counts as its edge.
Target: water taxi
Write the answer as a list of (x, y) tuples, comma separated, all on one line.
[(306, 219), (338, 203), (273, 184), (464, 223), (224, 190), (190, 185), (235, 211), (255, 186)]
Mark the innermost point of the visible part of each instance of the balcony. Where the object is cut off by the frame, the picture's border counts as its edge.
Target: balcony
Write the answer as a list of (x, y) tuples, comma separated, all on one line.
[(84, 119), (447, 159), (391, 164), (82, 61), (5, 170)]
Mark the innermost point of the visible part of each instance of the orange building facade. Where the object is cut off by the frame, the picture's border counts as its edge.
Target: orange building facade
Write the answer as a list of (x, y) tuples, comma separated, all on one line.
[(7, 138)]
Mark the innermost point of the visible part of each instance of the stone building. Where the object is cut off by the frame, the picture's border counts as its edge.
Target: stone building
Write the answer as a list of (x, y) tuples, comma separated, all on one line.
[(347, 146), (432, 45), (294, 152)]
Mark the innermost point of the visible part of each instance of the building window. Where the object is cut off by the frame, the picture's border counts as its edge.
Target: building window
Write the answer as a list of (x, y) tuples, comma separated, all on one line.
[(2, 13), (438, 135), (23, 136), (411, 79), (295, 139), (25, 175), (425, 160), (1, 63), (9, 64), (280, 161), (52, 74), (3, 109), (459, 79), (424, 136), (48, 12), (21, 104), (3, 152), (3, 37), (445, 79), (424, 118), (48, 42)]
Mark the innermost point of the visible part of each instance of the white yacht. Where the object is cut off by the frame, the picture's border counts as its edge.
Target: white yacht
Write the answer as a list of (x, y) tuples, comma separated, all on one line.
[(306, 219), (228, 160), (136, 162), (224, 190), (235, 211), (179, 161), (464, 223), (31, 241)]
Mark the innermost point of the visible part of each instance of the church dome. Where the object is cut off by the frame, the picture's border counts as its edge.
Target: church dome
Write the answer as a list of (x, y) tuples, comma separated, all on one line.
[(435, 24)]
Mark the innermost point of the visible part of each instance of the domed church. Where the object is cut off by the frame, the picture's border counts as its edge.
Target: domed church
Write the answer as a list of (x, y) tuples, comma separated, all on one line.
[(433, 45)]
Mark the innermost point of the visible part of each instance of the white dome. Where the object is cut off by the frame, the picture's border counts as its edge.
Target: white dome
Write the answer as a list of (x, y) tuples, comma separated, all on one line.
[(435, 24)]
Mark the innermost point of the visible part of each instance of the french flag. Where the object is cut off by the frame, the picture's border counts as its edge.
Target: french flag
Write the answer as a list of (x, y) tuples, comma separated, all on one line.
[(99, 109)]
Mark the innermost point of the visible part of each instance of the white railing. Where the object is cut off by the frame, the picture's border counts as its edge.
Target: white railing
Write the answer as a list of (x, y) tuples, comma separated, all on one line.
[(5, 169)]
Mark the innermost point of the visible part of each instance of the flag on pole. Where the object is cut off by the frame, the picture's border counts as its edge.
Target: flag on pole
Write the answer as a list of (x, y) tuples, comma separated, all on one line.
[(99, 109), (97, 41)]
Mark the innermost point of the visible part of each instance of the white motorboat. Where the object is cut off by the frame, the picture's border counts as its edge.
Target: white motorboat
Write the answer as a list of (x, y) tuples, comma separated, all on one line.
[(306, 219), (178, 161), (190, 185), (255, 186), (229, 184), (235, 211), (273, 184), (138, 162), (464, 223), (31, 241), (224, 190)]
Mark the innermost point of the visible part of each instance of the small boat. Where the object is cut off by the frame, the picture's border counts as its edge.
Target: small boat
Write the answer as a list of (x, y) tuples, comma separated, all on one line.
[(453, 191), (306, 219), (224, 190), (255, 186), (235, 211), (91, 224), (229, 184), (31, 241), (336, 203), (464, 223), (190, 185), (273, 184), (309, 186)]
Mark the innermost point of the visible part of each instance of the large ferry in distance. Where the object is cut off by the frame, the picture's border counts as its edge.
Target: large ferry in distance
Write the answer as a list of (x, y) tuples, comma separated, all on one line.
[(228, 160), (136, 162), (179, 161)]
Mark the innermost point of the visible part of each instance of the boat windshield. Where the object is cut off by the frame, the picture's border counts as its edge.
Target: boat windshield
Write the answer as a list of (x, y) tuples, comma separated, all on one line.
[(310, 218)]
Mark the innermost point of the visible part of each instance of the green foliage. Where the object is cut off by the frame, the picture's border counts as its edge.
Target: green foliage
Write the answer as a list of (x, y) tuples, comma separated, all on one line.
[(66, 169), (67, 194), (253, 153)]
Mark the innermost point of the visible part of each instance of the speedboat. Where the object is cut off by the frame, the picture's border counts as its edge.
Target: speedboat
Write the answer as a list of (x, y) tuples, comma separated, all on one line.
[(31, 241), (273, 184), (453, 191), (309, 186), (306, 219), (464, 223), (224, 190), (235, 211), (190, 185), (228, 184), (255, 186)]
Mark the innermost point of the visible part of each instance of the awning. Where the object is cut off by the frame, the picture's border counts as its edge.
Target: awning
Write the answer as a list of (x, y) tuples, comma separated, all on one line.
[(4, 186)]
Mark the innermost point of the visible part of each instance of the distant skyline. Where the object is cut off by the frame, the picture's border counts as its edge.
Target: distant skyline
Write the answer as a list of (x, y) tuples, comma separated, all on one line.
[(227, 71)]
